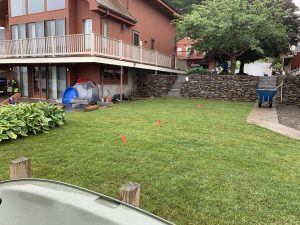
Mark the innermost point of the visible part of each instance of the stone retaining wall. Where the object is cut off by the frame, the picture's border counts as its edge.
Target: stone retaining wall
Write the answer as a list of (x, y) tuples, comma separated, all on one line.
[(221, 87), (154, 85), (291, 90)]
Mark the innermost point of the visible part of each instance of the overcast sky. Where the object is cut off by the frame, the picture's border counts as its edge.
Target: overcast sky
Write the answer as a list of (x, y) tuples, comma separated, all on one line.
[(297, 2)]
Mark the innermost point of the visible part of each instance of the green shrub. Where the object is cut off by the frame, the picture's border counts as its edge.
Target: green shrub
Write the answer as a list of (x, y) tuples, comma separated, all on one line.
[(277, 66), (199, 71), (23, 119)]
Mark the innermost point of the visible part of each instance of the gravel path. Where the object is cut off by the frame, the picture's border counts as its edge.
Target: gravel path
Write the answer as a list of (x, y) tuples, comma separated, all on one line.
[(289, 115)]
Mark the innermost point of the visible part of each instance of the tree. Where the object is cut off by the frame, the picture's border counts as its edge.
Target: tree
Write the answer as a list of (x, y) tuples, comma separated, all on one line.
[(272, 48), (184, 6), (233, 27)]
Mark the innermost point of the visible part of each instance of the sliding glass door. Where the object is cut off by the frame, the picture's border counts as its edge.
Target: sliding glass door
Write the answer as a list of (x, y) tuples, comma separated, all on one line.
[(40, 82), (57, 81), (87, 30), (20, 74)]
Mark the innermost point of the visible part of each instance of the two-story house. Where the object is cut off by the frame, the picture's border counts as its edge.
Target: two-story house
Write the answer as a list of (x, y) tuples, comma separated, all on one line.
[(49, 44), (193, 58)]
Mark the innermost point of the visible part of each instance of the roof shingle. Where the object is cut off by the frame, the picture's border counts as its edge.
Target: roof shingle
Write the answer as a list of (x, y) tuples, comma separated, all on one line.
[(117, 7)]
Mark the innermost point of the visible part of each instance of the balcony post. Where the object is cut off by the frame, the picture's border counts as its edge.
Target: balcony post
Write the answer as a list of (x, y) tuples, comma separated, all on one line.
[(93, 43), (141, 51), (53, 46), (121, 49), (21, 48), (175, 65), (156, 58)]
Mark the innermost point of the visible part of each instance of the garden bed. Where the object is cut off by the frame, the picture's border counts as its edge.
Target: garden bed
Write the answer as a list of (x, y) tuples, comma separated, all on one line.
[(23, 119)]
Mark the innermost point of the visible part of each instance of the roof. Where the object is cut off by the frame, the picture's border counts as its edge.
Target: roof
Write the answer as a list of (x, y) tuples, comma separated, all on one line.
[(116, 7)]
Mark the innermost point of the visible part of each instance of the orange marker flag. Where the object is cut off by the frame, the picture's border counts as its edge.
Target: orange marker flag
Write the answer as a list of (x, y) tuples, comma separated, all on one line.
[(199, 106), (158, 122), (124, 139)]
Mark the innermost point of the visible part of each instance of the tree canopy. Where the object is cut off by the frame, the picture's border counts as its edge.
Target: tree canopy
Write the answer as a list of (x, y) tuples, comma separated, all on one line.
[(236, 27), (184, 6)]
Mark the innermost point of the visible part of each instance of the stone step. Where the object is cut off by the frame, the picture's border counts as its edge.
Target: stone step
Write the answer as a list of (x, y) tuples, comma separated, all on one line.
[(174, 94), (175, 90)]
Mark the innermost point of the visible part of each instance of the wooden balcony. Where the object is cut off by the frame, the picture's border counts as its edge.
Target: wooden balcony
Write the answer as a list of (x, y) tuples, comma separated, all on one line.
[(86, 45)]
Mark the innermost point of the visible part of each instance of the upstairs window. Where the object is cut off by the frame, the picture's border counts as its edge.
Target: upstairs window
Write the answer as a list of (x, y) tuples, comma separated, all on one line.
[(36, 6), (55, 27), (55, 4), (105, 28), (18, 31), (136, 38), (2, 34), (152, 44), (18, 7)]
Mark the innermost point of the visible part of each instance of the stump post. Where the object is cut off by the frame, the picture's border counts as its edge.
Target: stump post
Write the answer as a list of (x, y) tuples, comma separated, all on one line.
[(20, 168), (130, 193)]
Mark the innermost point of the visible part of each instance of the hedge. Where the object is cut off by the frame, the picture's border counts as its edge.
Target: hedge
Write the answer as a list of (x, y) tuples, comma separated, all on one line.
[(23, 119)]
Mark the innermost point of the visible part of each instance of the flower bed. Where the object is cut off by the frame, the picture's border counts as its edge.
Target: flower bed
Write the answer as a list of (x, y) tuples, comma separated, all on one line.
[(23, 119)]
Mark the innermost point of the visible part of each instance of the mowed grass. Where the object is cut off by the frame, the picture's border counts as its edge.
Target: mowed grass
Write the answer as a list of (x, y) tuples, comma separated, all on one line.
[(201, 166)]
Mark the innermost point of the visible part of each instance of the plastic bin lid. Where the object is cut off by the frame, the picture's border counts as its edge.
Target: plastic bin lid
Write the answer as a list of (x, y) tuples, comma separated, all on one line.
[(69, 94)]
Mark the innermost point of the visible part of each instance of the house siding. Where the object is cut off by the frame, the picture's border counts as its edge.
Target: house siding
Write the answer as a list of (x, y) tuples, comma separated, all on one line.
[(152, 23), (295, 62)]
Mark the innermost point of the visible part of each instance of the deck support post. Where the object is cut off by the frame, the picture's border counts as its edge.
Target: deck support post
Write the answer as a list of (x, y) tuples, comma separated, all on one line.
[(121, 83), (130, 194), (20, 168)]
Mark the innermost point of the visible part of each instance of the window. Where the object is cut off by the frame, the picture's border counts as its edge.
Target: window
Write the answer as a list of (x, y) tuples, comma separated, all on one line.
[(20, 74), (18, 7), (87, 29), (2, 33), (105, 28), (50, 28), (87, 26), (22, 31), (136, 38), (36, 6), (60, 27), (112, 75), (55, 4), (152, 44), (40, 29), (14, 32), (55, 27), (18, 31), (57, 81)]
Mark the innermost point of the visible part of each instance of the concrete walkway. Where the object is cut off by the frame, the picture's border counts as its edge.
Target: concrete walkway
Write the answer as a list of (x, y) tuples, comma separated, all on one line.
[(267, 118)]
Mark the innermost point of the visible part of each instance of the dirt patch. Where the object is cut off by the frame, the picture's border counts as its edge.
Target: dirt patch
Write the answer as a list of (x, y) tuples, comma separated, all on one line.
[(289, 115)]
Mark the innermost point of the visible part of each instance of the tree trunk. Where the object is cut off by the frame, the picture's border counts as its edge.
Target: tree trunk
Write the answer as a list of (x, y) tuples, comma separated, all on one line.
[(233, 65), (242, 67)]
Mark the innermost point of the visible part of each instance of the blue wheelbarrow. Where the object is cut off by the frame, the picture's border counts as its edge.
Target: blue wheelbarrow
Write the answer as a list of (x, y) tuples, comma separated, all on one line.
[(266, 97)]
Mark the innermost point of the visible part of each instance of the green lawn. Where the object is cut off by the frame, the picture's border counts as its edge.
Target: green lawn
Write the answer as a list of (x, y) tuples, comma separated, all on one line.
[(201, 166)]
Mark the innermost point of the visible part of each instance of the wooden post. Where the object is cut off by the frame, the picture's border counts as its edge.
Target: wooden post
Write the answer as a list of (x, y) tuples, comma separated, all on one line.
[(130, 193), (121, 49), (20, 168), (93, 38), (53, 46), (121, 83)]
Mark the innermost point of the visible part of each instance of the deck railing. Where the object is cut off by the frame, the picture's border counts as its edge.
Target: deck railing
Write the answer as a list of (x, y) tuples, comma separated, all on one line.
[(84, 44)]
